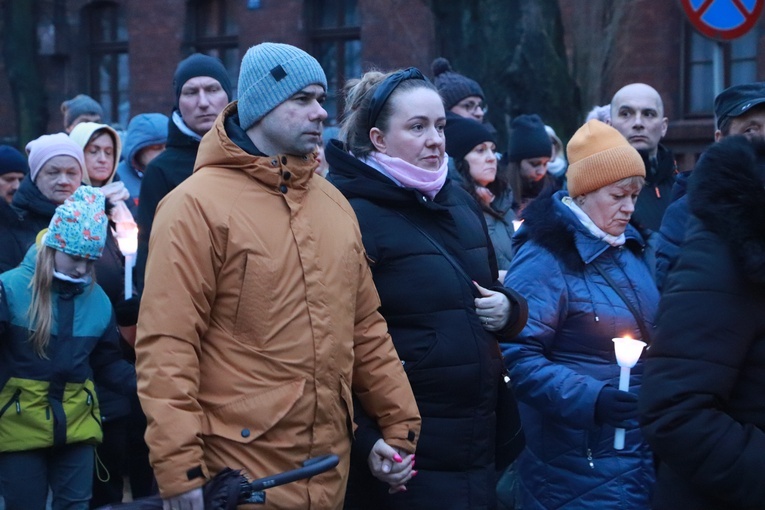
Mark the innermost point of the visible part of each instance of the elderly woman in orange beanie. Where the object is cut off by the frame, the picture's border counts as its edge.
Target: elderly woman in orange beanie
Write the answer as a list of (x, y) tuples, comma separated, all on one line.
[(579, 263)]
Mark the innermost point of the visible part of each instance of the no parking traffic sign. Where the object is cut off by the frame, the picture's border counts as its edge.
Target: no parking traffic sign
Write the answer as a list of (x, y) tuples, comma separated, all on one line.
[(723, 19)]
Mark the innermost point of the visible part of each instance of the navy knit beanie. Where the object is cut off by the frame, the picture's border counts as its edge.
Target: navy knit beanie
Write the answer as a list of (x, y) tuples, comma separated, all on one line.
[(463, 134), (270, 74), (11, 160), (200, 65), (452, 86), (528, 139)]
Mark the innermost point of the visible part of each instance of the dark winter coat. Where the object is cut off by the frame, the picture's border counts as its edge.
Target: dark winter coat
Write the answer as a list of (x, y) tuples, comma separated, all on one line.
[(453, 364), (703, 406), (657, 192), (31, 212), (500, 224), (11, 237), (672, 231), (564, 357), (162, 175)]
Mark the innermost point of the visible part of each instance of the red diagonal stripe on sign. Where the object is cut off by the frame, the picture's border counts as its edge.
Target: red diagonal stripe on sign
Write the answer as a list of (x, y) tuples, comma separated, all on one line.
[(741, 7), (701, 10)]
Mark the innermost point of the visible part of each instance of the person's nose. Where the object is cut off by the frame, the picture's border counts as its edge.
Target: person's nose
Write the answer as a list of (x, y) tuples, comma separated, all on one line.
[(629, 206), (319, 113), (491, 156), (435, 137), (203, 101)]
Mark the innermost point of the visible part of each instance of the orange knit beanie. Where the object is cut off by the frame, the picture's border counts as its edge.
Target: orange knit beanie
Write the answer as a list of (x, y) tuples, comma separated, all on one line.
[(598, 155)]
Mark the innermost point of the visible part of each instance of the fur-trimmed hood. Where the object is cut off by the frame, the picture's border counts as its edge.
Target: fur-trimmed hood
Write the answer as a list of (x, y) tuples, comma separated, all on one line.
[(726, 192), (552, 225)]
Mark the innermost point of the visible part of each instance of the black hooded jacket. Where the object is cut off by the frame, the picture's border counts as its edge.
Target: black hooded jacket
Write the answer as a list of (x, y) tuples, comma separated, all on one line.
[(452, 362), (29, 213), (163, 175), (702, 406)]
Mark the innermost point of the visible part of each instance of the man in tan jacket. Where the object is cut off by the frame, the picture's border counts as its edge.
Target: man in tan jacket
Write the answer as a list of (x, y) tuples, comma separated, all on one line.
[(259, 316)]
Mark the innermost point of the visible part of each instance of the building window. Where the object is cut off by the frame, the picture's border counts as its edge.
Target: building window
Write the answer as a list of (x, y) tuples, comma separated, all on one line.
[(214, 31), (109, 71), (336, 44), (739, 65)]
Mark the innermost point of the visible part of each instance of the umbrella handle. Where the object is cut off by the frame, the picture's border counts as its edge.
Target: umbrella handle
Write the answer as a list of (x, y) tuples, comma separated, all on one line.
[(310, 468)]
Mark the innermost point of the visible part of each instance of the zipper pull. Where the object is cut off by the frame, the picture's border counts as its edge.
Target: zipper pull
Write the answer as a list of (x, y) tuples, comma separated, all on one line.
[(89, 399), (18, 406), (658, 193), (589, 459)]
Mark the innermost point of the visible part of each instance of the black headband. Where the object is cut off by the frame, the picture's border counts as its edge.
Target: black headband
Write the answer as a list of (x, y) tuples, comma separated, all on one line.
[(386, 88)]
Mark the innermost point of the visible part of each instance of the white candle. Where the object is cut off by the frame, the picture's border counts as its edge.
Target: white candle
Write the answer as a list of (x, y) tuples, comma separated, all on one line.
[(127, 238), (627, 354)]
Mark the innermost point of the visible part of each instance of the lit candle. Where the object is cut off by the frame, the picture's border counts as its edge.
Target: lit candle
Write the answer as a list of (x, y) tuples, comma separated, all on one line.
[(127, 238), (628, 352)]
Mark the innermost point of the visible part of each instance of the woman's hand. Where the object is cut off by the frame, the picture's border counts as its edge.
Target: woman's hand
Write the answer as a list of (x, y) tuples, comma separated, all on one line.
[(493, 308), (115, 191), (391, 465)]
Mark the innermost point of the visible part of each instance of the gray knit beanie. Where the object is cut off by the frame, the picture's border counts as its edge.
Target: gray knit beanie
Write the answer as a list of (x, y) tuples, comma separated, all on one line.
[(270, 74), (81, 104), (453, 86)]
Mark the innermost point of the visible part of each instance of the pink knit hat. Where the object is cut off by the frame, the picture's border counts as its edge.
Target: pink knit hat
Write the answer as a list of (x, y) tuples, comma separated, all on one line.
[(42, 149)]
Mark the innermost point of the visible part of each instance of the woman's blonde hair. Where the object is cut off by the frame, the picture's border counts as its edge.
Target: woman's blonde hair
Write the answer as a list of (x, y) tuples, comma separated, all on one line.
[(40, 311), (358, 96), (41, 308)]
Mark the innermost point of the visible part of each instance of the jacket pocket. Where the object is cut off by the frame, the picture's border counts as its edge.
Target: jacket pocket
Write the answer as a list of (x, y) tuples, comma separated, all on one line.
[(25, 421), (82, 413), (256, 305), (249, 417), (347, 396)]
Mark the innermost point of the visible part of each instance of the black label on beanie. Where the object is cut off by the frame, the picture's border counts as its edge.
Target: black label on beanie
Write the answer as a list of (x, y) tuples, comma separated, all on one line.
[(278, 73)]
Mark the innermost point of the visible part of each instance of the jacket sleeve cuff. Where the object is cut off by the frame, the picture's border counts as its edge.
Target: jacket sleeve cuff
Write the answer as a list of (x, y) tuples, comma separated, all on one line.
[(519, 313)]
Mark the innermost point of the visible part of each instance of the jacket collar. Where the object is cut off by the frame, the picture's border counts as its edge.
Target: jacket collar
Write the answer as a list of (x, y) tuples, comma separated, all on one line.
[(220, 149), (356, 179), (29, 199), (551, 224)]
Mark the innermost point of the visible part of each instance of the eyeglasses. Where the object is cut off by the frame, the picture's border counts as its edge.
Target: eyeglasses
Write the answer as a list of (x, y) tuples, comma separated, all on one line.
[(386, 88), (472, 106)]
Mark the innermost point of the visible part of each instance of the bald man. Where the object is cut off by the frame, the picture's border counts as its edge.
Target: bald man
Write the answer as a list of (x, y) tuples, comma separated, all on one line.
[(637, 112)]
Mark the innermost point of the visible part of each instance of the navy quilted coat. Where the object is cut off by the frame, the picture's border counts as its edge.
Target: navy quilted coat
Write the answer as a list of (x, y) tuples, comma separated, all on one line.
[(565, 356)]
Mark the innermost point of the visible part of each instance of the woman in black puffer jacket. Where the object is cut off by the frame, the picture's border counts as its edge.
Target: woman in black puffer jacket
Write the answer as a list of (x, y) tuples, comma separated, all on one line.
[(444, 326)]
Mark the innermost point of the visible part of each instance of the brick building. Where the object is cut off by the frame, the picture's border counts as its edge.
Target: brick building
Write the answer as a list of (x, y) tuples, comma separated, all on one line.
[(124, 52)]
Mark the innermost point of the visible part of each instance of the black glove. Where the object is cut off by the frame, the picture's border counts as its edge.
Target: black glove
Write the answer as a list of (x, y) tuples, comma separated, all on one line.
[(127, 311), (616, 408)]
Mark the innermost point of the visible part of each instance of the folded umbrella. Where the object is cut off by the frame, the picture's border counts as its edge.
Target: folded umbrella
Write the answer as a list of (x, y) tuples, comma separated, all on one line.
[(230, 487)]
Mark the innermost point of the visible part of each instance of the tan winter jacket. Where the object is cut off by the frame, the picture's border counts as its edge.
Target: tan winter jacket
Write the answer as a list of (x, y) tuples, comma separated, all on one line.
[(258, 317)]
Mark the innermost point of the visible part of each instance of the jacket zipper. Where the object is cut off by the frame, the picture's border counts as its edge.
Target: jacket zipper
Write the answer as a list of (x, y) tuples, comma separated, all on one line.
[(89, 401), (13, 399), (588, 451)]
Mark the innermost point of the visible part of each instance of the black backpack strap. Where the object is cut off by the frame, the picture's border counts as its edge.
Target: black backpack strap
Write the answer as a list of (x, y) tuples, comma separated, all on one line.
[(638, 318)]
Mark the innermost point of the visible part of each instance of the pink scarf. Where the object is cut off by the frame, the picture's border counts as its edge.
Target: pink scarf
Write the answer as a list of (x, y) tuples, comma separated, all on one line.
[(427, 182)]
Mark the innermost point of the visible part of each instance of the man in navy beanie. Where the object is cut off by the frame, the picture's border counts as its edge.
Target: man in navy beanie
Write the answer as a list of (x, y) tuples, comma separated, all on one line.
[(259, 313), (13, 168), (202, 89)]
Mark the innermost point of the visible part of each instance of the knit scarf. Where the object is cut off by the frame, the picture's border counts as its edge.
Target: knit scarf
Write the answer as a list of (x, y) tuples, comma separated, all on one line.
[(427, 182), (589, 225)]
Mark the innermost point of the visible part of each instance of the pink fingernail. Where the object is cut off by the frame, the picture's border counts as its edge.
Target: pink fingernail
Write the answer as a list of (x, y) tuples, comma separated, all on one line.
[(397, 458), (414, 473)]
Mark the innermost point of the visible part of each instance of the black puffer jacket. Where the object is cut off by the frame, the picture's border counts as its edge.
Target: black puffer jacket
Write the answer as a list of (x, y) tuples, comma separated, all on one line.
[(453, 364), (702, 406), (162, 175), (30, 213)]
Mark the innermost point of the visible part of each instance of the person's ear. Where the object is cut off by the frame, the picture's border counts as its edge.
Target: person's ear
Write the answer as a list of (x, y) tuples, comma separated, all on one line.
[(718, 135), (378, 139)]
